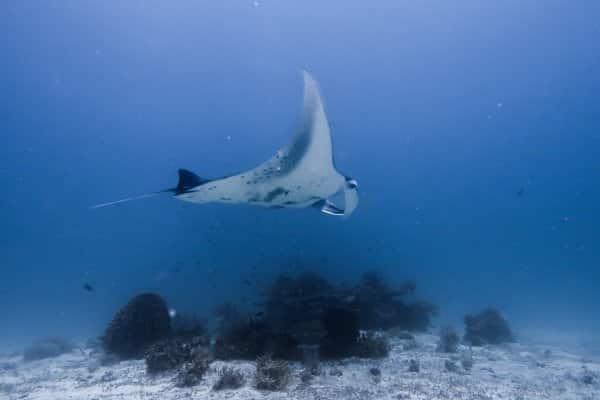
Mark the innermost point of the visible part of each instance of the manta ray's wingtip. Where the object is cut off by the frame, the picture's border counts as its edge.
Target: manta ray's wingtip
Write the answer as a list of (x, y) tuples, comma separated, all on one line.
[(308, 78)]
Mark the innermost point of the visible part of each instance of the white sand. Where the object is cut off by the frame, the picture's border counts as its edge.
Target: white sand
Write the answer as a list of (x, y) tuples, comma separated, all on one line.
[(499, 372)]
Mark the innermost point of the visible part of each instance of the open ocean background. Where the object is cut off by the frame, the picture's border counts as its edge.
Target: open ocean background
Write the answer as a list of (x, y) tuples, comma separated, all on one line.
[(472, 127)]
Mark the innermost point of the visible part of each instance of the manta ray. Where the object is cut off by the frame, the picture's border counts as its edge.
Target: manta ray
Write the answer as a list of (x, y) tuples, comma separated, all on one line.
[(301, 174)]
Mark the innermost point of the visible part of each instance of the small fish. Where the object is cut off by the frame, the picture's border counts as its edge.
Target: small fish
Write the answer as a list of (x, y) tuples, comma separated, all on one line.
[(521, 192), (259, 314), (87, 287)]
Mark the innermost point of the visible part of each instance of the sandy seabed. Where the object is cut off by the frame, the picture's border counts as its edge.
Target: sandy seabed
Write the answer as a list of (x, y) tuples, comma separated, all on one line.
[(512, 372)]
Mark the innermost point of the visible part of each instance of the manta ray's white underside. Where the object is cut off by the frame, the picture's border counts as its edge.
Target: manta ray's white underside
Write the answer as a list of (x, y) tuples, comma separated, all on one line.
[(301, 174)]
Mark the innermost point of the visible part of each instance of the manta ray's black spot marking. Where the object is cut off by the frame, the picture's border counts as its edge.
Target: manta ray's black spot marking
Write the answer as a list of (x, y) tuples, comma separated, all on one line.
[(253, 197), (225, 198), (274, 193), (289, 202)]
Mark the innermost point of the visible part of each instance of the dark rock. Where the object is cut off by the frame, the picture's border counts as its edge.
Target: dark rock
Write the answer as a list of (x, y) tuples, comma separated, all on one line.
[(336, 372), (487, 327), (47, 348), (143, 321), (413, 366)]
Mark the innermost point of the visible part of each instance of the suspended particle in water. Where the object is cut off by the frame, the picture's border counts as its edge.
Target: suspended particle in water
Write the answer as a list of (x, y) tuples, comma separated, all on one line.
[(228, 138), (255, 3), (172, 313)]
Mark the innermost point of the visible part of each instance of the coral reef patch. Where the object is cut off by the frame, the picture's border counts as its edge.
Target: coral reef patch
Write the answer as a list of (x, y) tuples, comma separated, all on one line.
[(307, 310), (487, 327), (141, 322)]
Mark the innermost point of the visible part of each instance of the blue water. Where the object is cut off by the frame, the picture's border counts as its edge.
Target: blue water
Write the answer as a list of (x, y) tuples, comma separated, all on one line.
[(444, 112)]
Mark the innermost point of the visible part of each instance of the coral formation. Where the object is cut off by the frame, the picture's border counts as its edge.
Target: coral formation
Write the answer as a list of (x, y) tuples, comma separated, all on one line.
[(467, 362), (342, 332), (172, 353), (381, 307), (295, 305), (311, 362), (251, 338), (370, 345), (450, 366), (191, 373), (141, 322), (414, 366), (47, 348), (271, 374), (449, 341), (307, 310), (186, 326), (229, 378), (487, 327)]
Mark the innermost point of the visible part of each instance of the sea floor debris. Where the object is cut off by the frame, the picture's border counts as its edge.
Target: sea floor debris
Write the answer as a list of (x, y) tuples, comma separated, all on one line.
[(508, 371)]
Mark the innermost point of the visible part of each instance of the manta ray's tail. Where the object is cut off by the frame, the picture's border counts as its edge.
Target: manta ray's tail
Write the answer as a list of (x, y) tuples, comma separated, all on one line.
[(125, 200), (187, 181)]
